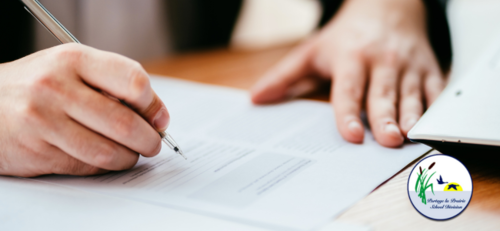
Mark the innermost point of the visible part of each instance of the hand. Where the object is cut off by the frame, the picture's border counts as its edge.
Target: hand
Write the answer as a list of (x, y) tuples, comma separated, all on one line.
[(375, 52), (54, 120)]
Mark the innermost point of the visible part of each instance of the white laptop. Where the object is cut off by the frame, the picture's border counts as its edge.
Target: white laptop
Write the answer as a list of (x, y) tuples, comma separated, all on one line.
[(466, 116)]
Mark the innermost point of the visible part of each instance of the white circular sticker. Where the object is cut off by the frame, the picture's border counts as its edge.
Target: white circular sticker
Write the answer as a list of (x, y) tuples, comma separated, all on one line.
[(440, 187)]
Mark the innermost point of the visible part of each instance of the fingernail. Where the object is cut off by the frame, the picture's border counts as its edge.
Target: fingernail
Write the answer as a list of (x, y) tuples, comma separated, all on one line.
[(355, 127), (410, 123), (161, 120), (392, 129)]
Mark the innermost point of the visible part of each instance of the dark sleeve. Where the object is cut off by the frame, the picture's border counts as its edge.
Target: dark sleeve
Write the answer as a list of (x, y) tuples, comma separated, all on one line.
[(439, 31), (201, 24), (437, 26), (330, 7), (16, 31)]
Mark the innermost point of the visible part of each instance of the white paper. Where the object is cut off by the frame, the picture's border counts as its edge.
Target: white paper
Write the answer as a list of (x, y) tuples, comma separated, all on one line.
[(27, 205), (281, 166)]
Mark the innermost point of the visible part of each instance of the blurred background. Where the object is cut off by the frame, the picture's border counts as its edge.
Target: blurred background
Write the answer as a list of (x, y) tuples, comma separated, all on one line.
[(147, 29)]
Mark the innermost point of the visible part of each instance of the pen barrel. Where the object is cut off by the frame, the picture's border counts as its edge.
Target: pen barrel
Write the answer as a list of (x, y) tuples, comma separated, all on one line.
[(35, 8), (167, 139)]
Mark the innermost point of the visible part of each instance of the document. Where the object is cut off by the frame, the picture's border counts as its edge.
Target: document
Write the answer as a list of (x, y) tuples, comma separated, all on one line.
[(29, 205), (282, 167)]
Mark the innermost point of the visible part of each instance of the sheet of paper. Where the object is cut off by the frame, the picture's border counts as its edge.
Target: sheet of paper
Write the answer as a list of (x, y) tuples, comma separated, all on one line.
[(281, 166), (29, 205), (26, 204)]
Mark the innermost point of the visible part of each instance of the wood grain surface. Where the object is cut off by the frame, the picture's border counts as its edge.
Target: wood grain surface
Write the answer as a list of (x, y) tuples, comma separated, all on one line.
[(388, 207), (221, 67)]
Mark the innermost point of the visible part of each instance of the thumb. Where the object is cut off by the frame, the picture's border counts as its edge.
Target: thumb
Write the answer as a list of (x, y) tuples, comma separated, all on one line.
[(156, 114), (289, 78)]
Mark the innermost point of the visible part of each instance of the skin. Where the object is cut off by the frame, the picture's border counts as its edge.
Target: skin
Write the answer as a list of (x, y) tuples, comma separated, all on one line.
[(55, 118), (377, 55)]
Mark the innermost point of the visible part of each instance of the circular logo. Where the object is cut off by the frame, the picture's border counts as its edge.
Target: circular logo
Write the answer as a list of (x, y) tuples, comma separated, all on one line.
[(440, 187)]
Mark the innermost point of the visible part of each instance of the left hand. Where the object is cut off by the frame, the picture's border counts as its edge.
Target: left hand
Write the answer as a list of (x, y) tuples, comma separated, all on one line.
[(375, 52)]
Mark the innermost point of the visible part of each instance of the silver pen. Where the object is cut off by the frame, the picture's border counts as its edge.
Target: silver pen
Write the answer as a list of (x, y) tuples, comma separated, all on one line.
[(44, 17)]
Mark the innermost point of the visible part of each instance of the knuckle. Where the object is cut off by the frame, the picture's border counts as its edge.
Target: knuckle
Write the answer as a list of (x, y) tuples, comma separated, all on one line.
[(139, 81), (410, 91), (30, 114), (136, 66), (358, 53), (91, 170), (387, 91), (70, 166), (105, 155), (392, 58), (47, 84), (352, 89), (384, 85), (351, 73), (69, 54), (123, 124), (76, 167), (83, 169)]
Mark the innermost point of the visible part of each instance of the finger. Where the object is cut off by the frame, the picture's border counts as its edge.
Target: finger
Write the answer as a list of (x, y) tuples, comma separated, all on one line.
[(48, 159), (381, 105), (302, 87), (64, 164), (410, 103), (90, 147), (112, 119), (347, 98), (280, 82), (119, 76), (434, 84)]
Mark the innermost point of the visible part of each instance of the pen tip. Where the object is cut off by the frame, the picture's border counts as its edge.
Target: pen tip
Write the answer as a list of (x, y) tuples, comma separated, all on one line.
[(180, 152)]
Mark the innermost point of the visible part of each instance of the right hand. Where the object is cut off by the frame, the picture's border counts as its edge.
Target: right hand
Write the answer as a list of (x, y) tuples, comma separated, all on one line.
[(55, 120)]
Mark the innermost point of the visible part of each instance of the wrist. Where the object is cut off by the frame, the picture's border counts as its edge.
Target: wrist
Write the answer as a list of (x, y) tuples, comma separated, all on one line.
[(414, 3), (403, 6), (402, 14)]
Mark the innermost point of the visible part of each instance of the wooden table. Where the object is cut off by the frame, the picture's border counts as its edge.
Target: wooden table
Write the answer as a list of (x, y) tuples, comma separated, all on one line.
[(388, 207)]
